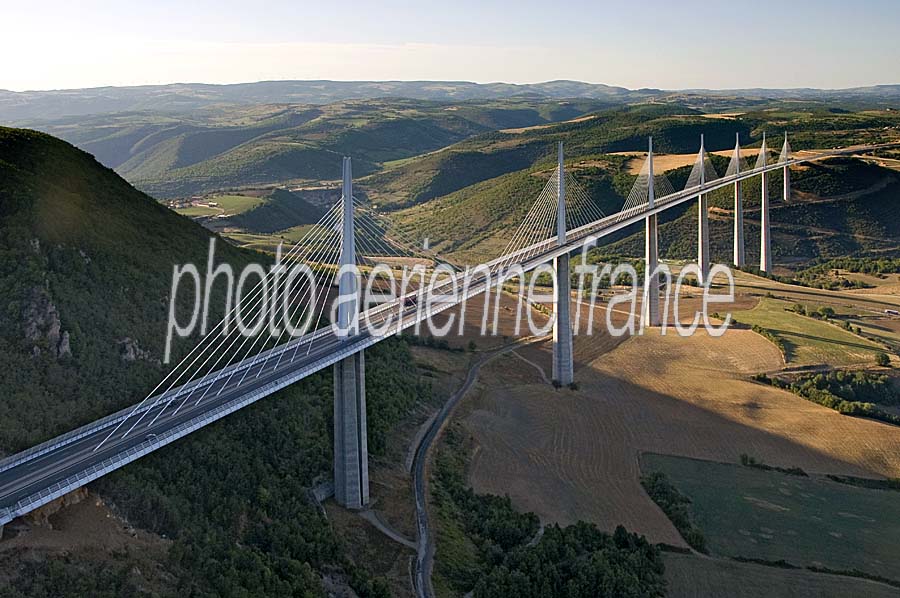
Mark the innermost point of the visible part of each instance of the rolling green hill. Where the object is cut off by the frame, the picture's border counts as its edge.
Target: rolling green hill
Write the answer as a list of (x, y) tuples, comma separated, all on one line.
[(476, 222), (222, 147), (675, 129), (24, 107), (841, 207), (87, 258), (280, 210)]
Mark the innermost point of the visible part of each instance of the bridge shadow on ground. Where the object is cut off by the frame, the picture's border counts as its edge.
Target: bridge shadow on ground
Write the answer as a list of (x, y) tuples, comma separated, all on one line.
[(570, 455)]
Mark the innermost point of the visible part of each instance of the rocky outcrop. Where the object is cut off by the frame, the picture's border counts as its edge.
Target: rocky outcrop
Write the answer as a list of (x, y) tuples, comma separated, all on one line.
[(41, 516), (130, 350), (64, 348), (43, 328)]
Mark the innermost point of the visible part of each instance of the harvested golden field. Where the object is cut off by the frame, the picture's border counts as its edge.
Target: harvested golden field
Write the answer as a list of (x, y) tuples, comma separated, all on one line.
[(570, 455), (667, 162), (874, 302), (887, 286), (548, 125)]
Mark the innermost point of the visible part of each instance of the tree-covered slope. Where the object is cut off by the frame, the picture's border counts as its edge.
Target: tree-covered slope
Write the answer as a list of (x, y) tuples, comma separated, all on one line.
[(176, 154), (675, 129), (281, 209), (840, 207), (85, 273)]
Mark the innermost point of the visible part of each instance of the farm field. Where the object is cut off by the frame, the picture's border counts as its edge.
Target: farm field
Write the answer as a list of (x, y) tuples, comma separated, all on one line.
[(690, 576), (569, 455), (575, 455), (227, 205), (268, 242), (769, 515), (809, 341), (863, 308)]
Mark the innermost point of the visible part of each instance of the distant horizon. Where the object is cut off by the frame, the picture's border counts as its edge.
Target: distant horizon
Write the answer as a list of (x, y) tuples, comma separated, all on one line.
[(691, 44), (456, 81)]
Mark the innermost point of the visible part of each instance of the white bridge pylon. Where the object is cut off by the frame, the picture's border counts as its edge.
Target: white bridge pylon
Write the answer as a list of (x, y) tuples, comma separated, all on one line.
[(702, 172)]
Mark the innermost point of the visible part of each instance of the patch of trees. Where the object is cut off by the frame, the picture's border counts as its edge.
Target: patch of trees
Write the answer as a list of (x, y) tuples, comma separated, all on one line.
[(888, 484), (848, 393), (578, 561), (676, 506), (864, 265), (428, 340), (512, 557), (74, 576), (748, 461), (281, 210), (838, 176), (763, 332)]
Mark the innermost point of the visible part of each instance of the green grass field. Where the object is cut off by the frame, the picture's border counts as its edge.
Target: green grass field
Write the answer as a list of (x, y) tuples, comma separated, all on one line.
[(773, 516), (228, 204), (808, 341), (235, 204), (197, 211)]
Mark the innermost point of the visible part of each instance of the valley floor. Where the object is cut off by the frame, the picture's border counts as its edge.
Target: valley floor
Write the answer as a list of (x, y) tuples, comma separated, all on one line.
[(571, 455)]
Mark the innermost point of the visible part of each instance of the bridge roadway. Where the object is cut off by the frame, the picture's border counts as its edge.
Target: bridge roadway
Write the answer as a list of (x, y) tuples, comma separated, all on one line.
[(37, 476), (34, 475)]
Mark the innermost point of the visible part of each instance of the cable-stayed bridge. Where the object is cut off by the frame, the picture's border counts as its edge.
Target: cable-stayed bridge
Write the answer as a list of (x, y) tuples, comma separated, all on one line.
[(229, 369)]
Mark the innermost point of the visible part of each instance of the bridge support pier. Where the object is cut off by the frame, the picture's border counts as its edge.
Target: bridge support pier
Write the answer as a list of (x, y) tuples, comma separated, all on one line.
[(765, 241), (650, 302), (563, 366), (738, 257), (563, 362), (650, 309), (787, 184), (703, 220), (738, 226), (786, 157), (703, 237), (351, 453)]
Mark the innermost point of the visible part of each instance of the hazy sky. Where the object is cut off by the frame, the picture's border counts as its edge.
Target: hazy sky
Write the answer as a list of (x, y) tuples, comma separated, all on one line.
[(644, 43)]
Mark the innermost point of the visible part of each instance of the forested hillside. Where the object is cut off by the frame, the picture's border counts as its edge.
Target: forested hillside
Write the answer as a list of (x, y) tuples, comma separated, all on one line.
[(494, 179), (675, 129), (170, 154), (85, 272), (85, 276)]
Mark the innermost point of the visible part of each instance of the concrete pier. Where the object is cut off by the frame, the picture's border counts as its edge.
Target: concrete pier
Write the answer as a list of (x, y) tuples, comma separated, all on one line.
[(738, 257), (765, 240), (785, 157), (563, 366), (703, 220), (703, 237), (650, 310), (651, 282), (351, 453)]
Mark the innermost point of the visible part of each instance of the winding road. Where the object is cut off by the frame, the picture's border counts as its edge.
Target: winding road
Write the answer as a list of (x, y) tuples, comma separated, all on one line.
[(425, 546)]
